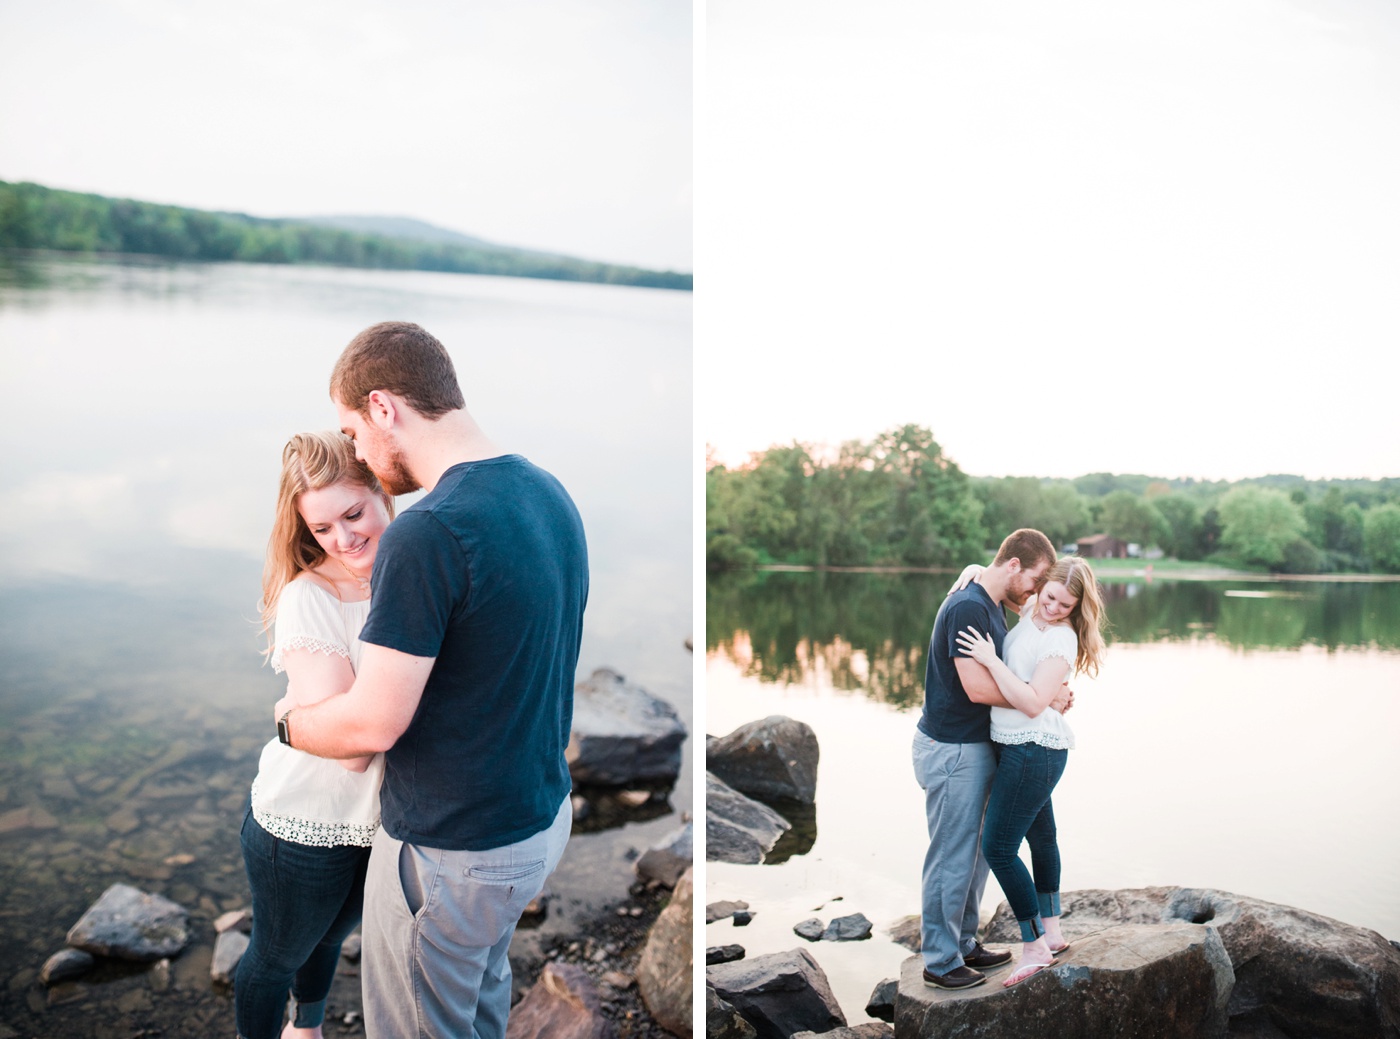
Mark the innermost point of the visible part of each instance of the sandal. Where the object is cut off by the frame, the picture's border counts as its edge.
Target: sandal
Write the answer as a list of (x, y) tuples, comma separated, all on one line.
[(1062, 948), (1023, 972)]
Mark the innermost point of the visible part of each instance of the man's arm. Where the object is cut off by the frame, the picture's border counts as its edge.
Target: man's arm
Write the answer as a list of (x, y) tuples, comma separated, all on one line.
[(370, 716), (978, 683)]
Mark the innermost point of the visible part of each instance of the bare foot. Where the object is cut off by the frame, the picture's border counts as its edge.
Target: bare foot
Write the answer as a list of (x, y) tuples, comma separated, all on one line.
[(1024, 971), (292, 1032)]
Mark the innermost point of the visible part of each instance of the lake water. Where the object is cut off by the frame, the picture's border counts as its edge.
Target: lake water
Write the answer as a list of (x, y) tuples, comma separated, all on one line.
[(1239, 736), (148, 405)]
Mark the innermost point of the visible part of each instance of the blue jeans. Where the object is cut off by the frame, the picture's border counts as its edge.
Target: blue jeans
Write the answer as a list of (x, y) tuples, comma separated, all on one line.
[(305, 901), (1020, 809), (956, 778)]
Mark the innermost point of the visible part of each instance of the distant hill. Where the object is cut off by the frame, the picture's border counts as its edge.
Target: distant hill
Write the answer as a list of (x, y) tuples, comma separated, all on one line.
[(36, 217)]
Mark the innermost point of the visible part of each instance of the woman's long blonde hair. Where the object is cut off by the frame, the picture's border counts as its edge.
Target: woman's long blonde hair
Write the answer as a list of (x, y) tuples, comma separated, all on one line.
[(310, 461), (1087, 618)]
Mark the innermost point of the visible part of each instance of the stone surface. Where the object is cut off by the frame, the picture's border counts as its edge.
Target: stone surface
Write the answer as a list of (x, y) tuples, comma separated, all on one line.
[(1159, 981), (236, 919), (65, 966), (1308, 974), (670, 857), (229, 948), (881, 1001), (810, 929), (773, 758), (719, 910), (738, 828), (852, 928), (563, 1004), (906, 931), (723, 954), (622, 734), (722, 1021), (779, 994), (665, 970), (131, 925), (869, 1030)]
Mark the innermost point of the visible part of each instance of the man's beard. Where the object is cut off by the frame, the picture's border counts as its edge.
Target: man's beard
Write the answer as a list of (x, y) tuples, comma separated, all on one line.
[(395, 477)]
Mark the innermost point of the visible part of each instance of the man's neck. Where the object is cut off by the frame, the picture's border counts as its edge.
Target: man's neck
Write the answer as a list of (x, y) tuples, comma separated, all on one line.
[(455, 438), (994, 582)]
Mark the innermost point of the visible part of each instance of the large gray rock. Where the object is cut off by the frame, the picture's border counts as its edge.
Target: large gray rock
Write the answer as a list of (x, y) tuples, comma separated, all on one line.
[(664, 972), (622, 734), (131, 925), (773, 758), (853, 928), (670, 857), (779, 994), (881, 1001), (229, 948), (738, 828), (562, 1004), (869, 1030), (719, 910), (1158, 981), (722, 1021), (1307, 974)]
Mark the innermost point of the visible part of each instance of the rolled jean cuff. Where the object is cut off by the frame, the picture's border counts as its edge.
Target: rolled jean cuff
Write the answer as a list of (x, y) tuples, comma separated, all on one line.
[(1049, 905), (1031, 929), (309, 1015)]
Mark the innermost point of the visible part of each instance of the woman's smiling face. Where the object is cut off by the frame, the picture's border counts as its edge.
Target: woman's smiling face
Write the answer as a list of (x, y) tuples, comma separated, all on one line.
[(1055, 603), (346, 520)]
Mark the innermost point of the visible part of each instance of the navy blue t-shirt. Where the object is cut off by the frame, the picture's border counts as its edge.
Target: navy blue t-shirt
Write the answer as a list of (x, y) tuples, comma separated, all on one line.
[(949, 716), (489, 574)]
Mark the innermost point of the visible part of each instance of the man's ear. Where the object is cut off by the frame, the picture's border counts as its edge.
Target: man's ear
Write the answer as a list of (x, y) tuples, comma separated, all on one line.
[(382, 409), (1013, 565)]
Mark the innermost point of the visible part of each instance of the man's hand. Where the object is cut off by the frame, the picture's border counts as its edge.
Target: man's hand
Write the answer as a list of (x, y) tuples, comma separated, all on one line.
[(1064, 699)]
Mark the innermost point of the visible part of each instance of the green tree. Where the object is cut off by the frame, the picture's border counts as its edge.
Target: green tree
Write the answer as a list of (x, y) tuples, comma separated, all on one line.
[(1133, 518), (1183, 518), (1258, 524), (1382, 538)]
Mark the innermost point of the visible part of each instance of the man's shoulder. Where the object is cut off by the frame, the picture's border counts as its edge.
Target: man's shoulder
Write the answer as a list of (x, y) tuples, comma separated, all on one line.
[(970, 601)]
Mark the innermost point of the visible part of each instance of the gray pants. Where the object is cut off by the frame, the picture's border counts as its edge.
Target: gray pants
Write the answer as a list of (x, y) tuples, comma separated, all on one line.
[(437, 930), (957, 778)]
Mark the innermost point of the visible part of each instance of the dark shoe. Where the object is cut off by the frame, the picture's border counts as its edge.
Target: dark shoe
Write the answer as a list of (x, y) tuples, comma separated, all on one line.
[(958, 977), (982, 958)]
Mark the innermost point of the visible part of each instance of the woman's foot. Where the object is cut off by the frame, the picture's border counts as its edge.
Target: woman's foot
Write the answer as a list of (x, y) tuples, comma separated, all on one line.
[(1024, 971), (1054, 940), (292, 1032), (1035, 956)]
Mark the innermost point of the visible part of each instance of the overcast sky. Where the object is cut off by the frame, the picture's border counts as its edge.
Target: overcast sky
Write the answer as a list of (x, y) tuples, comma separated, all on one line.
[(1153, 237), (554, 124)]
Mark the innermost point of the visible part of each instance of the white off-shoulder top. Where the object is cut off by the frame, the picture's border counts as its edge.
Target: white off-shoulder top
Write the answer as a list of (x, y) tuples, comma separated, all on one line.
[(1024, 648), (298, 796)]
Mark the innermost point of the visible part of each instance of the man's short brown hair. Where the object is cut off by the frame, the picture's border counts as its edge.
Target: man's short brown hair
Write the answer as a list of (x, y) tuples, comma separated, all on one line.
[(402, 358), (1030, 546)]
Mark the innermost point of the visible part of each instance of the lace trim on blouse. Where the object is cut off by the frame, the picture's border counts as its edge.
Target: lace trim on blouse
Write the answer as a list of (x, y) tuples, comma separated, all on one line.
[(1053, 740), (307, 642), (316, 834), (1055, 651)]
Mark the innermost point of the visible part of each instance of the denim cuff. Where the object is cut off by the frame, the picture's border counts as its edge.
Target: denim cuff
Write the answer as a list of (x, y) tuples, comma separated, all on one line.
[(1049, 904), (1031, 929), (309, 1015)]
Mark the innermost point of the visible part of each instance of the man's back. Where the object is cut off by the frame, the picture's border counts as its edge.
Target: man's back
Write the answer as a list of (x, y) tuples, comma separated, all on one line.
[(949, 716)]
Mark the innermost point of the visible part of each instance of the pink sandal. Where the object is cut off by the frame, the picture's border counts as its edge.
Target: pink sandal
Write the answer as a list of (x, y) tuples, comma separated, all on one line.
[(1023, 972)]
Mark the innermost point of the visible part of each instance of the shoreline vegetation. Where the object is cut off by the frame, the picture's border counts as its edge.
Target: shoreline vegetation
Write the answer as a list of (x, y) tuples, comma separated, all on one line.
[(38, 218), (1104, 572), (898, 503)]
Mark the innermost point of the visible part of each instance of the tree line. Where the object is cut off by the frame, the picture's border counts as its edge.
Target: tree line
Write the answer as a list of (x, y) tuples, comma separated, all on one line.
[(36, 217), (899, 501)]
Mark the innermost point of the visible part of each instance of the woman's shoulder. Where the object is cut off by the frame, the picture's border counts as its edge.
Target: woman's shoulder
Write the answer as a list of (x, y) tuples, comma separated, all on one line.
[(308, 586)]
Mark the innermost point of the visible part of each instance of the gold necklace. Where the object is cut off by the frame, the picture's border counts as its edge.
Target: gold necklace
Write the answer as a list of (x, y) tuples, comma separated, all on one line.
[(363, 582)]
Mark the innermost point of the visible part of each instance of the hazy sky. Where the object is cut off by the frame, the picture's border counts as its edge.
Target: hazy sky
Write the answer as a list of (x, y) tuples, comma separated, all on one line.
[(556, 124), (1157, 237)]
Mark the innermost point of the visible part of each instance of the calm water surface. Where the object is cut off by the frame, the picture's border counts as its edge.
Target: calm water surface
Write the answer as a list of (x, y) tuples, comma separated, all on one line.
[(149, 405), (1238, 737)]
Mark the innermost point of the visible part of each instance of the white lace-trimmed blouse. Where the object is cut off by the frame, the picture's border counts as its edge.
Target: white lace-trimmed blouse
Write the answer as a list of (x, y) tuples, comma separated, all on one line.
[(298, 796), (1024, 648)]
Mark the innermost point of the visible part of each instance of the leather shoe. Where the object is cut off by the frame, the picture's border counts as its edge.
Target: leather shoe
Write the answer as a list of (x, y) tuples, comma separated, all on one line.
[(982, 958), (958, 977)]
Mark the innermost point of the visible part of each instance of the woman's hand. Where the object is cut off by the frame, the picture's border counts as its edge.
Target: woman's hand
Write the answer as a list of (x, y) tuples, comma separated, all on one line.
[(969, 574), (977, 646)]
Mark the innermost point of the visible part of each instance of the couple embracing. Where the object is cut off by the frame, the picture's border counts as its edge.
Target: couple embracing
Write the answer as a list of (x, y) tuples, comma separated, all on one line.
[(992, 742), (418, 775)]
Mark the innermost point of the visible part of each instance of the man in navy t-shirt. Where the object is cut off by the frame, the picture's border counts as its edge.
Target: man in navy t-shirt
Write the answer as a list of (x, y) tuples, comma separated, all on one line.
[(954, 761), (465, 682)]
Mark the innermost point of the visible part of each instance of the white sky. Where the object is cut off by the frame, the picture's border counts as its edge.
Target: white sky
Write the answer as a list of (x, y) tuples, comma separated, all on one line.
[(1157, 237), (556, 124)]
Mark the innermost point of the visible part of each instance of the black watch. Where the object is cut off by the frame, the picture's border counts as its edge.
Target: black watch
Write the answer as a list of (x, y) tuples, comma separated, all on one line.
[(284, 731)]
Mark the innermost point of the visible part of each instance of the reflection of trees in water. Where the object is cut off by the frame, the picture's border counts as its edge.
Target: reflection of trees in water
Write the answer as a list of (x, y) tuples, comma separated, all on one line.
[(869, 632)]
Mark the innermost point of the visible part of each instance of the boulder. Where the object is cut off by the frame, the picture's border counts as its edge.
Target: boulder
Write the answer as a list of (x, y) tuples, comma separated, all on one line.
[(719, 910), (562, 1004), (779, 994), (1150, 981), (869, 1030), (908, 932), (722, 1021), (668, 859), (65, 965), (229, 948), (738, 828), (131, 925), (774, 759), (1307, 974), (811, 929), (853, 928), (622, 734), (881, 1001), (723, 954), (664, 972)]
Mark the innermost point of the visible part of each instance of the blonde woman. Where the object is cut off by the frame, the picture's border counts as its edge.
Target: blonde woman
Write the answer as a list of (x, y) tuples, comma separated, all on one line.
[(1060, 633), (307, 835)]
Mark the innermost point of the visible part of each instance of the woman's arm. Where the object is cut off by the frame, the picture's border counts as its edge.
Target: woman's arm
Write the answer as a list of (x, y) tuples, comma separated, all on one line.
[(969, 574), (1030, 698), (313, 676)]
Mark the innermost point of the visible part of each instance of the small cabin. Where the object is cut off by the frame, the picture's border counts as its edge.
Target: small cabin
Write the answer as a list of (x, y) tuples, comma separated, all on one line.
[(1102, 546)]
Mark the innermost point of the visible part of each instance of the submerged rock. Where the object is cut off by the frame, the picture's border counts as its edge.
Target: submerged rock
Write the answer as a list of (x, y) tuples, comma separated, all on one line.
[(779, 994), (622, 734), (131, 925), (229, 948), (65, 966), (738, 828), (670, 857), (774, 759), (719, 910), (664, 973)]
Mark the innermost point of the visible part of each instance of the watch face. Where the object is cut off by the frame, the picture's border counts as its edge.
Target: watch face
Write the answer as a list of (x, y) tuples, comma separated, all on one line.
[(284, 732)]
